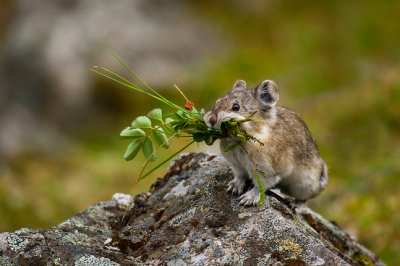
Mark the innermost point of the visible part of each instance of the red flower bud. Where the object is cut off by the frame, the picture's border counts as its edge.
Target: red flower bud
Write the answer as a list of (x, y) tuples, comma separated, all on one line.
[(189, 105)]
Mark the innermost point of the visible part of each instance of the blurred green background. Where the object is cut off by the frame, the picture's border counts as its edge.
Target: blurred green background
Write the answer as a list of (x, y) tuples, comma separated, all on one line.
[(337, 63)]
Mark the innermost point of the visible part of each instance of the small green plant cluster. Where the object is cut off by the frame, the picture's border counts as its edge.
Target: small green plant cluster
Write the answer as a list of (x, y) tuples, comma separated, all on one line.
[(153, 131)]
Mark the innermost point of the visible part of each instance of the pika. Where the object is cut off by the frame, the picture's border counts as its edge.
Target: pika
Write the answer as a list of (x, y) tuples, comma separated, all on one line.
[(289, 157)]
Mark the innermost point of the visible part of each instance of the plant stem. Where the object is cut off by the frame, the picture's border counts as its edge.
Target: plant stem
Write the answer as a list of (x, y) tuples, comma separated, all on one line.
[(166, 160), (183, 95), (256, 169)]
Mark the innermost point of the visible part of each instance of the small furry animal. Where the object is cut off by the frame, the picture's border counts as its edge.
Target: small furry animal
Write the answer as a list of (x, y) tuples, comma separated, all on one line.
[(289, 156)]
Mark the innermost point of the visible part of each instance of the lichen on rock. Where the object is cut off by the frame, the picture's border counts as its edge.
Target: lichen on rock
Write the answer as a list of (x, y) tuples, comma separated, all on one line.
[(188, 218)]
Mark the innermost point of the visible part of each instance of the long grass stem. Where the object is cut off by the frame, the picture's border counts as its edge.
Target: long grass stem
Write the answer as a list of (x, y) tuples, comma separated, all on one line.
[(166, 160)]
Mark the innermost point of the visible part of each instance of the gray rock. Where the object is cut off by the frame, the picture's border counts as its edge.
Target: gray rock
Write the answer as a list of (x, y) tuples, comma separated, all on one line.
[(198, 224)]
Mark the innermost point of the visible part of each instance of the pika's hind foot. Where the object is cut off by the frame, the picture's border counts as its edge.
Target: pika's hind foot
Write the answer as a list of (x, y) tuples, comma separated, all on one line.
[(298, 206)]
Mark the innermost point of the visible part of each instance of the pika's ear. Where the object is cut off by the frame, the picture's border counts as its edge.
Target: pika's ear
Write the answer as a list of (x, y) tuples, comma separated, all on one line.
[(239, 84), (267, 92)]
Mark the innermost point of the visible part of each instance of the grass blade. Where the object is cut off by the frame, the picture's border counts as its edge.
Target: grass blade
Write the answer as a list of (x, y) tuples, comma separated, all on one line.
[(147, 161), (131, 85), (127, 85), (129, 69)]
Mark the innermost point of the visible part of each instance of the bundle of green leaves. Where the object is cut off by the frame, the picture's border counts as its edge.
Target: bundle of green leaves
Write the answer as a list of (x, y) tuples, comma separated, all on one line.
[(153, 131), (148, 133)]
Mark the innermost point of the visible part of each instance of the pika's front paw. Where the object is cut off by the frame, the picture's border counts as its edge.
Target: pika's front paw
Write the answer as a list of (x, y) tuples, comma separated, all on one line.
[(250, 198), (236, 186)]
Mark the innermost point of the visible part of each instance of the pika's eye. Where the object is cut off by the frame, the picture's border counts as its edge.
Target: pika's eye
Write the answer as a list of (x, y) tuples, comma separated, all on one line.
[(235, 107)]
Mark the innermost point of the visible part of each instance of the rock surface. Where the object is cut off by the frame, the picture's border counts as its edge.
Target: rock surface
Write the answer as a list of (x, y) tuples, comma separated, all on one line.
[(187, 218)]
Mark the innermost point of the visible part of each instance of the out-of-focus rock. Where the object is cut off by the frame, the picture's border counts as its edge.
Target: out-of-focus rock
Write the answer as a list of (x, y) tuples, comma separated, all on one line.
[(50, 46), (188, 218)]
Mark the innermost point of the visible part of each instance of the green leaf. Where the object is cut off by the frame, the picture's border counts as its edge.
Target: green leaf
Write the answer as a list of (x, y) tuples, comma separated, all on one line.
[(160, 138), (141, 122), (210, 140), (169, 129), (129, 133), (148, 149), (199, 137), (231, 146), (177, 117), (132, 150), (184, 115), (156, 114), (169, 120), (260, 188)]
